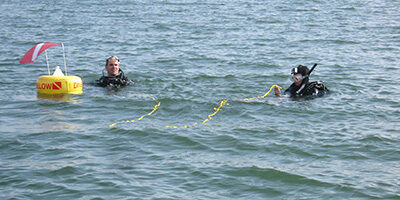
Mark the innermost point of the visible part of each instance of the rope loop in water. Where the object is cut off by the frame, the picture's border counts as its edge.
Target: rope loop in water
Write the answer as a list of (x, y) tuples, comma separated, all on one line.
[(209, 117)]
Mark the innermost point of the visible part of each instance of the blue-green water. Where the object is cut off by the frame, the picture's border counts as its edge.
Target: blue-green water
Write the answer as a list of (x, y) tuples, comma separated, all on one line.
[(190, 55)]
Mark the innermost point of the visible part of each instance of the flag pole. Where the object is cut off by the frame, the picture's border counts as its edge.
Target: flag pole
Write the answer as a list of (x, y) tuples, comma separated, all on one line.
[(47, 62), (65, 64)]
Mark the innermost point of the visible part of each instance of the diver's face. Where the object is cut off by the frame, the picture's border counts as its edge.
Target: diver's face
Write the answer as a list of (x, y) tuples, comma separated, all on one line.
[(112, 68), (297, 79)]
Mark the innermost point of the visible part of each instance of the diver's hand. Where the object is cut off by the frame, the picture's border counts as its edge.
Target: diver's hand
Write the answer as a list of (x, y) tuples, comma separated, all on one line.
[(277, 91)]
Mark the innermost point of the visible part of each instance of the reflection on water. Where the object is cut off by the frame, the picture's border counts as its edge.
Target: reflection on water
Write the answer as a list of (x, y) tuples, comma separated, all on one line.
[(56, 119), (59, 126), (59, 97), (59, 120)]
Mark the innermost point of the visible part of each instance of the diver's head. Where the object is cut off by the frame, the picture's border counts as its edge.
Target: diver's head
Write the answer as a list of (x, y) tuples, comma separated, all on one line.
[(300, 74), (112, 66)]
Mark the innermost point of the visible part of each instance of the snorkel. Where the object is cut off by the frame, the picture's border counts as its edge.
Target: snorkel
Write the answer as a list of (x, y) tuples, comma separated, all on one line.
[(312, 68)]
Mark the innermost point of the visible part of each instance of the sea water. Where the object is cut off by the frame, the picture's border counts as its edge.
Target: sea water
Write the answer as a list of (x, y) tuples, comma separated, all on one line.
[(188, 56)]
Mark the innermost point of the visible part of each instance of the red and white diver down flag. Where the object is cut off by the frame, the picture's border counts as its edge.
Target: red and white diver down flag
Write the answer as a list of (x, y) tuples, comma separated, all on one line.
[(35, 51)]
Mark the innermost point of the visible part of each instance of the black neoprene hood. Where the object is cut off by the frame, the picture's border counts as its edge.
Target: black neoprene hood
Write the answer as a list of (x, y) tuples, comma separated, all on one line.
[(301, 69)]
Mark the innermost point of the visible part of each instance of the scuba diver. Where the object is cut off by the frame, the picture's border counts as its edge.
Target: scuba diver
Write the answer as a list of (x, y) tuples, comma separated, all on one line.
[(301, 87), (115, 76)]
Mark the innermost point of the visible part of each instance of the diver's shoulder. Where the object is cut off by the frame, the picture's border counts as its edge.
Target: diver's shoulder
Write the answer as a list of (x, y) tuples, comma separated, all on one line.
[(317, 89), (317, 84)]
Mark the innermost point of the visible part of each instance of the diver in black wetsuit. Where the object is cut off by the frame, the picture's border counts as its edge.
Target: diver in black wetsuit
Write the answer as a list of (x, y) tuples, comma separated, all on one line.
[(301, 87), (115, 76)]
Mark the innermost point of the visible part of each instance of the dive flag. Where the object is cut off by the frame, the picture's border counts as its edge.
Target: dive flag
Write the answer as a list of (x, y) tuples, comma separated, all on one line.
[(35, 51)]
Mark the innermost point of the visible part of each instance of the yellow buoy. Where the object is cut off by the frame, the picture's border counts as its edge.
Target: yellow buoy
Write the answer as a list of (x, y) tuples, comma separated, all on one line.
[(57, 83)]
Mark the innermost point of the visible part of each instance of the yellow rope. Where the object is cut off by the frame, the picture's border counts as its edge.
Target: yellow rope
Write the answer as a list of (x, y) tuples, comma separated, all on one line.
[(222, 103), (270, 89), (209, 117), (140, 118)]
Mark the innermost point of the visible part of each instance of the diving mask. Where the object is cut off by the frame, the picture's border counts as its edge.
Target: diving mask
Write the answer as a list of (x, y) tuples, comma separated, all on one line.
[(297, 77)]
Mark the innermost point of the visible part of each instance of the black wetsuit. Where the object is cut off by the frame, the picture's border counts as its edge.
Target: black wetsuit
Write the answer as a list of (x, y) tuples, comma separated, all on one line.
[(307, 89), (118, 81)]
